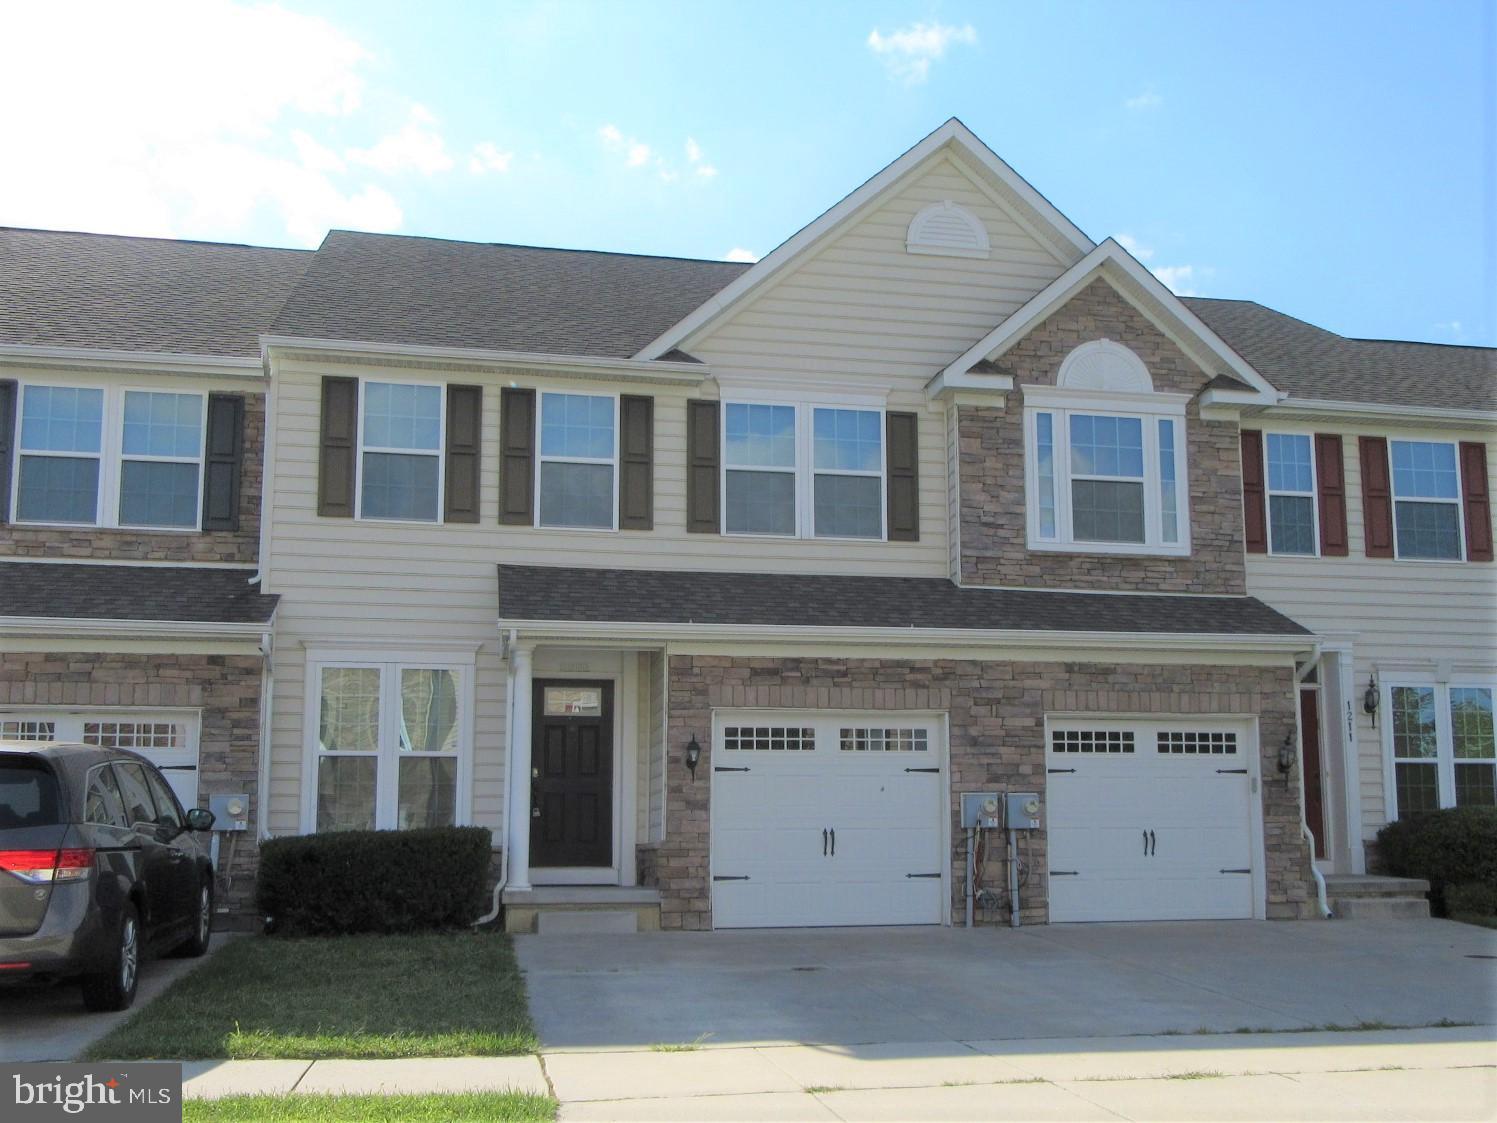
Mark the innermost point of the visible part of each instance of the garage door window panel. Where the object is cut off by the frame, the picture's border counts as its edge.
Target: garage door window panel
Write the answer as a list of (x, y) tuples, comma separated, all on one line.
[(1092, 740), (168, 739)]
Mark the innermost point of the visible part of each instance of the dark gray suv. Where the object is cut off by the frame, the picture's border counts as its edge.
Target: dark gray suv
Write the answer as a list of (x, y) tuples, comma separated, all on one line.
[(99, 865)]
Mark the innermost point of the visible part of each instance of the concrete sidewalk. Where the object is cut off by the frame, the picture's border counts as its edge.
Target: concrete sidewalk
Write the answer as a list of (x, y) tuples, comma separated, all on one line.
[(1437, 1073)]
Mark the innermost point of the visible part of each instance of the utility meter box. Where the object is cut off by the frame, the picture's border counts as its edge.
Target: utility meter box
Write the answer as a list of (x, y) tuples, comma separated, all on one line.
[(982, 810), (230, 812), (1022, 811)]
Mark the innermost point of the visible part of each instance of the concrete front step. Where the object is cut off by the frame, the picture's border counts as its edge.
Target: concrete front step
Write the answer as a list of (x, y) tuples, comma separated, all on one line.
[(1380, 908), (574, 909), (1374, 885)]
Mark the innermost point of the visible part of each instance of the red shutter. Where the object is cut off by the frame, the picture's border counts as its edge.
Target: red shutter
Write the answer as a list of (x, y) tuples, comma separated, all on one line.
[(1254, 513), (1377, 497), (1477, 501), (1330, 480)]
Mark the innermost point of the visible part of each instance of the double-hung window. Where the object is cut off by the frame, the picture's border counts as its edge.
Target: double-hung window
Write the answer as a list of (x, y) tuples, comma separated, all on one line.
[(391, 745), (577, 485), (1290, 477), (1442, 746), (401, 451), (803, 470), (1426, 500), (112, 457)]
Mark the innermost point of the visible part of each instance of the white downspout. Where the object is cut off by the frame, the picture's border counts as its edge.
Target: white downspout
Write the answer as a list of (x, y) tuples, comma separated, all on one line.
[(509, 778), (267, 689), (1304, 824)]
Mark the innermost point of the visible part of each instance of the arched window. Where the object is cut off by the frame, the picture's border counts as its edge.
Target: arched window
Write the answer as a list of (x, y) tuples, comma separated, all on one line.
[(946, 228)]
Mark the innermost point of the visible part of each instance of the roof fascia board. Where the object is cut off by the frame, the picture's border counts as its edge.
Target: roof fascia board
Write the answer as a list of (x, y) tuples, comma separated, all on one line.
[(953, 132), (1328, 408), (162, 362), (688, 374), (130, 629)]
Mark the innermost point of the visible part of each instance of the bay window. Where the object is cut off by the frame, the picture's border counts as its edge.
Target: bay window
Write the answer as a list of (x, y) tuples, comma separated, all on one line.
[(1290, 480), (577, 481), (1442, 747), (400, 458), (1426, 500)]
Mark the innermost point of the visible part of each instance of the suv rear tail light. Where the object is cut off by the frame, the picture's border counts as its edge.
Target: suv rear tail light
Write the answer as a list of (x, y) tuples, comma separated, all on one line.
[(40, 866)]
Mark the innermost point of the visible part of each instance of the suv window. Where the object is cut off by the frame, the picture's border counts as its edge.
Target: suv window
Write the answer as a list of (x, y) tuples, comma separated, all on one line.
[(28, 794), (139, 807), (102, 803), (167, 813)]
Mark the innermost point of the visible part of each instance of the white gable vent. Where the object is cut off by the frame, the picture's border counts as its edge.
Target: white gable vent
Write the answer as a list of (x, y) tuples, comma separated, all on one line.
[(946, 228), (1104, 365)]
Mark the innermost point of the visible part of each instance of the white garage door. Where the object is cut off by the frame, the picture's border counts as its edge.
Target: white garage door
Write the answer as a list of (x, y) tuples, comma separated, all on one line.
[(822, 820), (1151, 820), (167, 739)]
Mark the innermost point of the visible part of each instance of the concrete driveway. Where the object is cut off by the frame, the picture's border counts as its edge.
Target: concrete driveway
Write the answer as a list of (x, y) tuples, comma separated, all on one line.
[(869, 985)]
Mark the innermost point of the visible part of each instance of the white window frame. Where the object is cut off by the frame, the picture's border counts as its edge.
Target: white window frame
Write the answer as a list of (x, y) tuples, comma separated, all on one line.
[(1459, 502), (1313, 495), (387, 756), (1149, 409), (540, 459), (805, 470), (440, 453), (111, 456), (1444, 758)]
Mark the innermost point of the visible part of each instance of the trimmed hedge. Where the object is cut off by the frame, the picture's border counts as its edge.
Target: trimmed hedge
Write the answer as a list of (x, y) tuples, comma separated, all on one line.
[(1456, 846), (344, 882), (1471, 898)]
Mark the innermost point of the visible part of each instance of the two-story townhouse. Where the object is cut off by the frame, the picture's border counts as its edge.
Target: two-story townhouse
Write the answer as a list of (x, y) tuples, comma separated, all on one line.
[(132, 423)]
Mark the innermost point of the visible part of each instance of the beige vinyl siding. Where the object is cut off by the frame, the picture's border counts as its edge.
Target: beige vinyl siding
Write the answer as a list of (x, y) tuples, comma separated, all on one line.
[(1403, 614)]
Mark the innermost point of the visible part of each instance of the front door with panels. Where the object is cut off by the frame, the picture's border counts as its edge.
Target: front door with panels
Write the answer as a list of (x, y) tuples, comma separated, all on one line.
[(1150, 820), (571, 790)]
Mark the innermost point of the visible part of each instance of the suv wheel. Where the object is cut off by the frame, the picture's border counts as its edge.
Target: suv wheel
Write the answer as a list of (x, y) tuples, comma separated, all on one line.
[(113, 988), (202, 924)]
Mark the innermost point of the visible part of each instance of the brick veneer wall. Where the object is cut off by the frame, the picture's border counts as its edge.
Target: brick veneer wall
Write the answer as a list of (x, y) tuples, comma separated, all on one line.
[(226, 688), (242, 545), (994, 546), (997, 713)]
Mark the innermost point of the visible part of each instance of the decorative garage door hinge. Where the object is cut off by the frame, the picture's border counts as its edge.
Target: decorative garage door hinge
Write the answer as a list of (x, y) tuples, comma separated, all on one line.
[(730, 877), (1065, 873), (922, 875), (922, 770), (1231, 771), (1234, 871), (723, 768), (1052, 771)]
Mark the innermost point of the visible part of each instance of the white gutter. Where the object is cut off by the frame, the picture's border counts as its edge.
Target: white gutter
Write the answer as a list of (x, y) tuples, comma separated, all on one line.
[(1380, 409), (129, 629), (509, 778), (161, 362), (267, 688)]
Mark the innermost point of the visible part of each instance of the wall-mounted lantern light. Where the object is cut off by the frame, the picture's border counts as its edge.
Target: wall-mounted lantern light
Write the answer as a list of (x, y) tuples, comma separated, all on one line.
[(693, 755), (1369, 698), (1287, 754)]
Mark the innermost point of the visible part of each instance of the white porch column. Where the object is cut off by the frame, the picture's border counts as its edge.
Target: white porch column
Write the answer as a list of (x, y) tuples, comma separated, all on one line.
[(517, 818)]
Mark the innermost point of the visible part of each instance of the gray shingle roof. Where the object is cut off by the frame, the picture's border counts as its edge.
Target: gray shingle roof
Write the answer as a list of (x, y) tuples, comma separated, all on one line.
[(626, 596), (382, 288), (1310, 362), (186, 594), (64, 289)]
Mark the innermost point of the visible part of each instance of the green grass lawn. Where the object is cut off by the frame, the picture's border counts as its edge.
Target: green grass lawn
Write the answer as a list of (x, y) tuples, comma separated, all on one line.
[(471, 1107), (438, 995)]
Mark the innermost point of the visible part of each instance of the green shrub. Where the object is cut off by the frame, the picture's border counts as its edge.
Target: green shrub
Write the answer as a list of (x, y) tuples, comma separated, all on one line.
[(373, 881), (1456, 846), (1471, 898)]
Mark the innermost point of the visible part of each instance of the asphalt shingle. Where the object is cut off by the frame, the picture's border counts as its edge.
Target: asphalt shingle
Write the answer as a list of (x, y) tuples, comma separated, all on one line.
[(183, 594)]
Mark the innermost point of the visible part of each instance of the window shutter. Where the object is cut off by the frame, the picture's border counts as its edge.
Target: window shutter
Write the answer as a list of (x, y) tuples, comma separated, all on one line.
[(1377, 497), (517, 457), (7, 443), (464, 425), (703, 462), (1477, 501), (223, 461), (1330, 480), (1254, 509), (636, 462), (903, 484), (340, 428)]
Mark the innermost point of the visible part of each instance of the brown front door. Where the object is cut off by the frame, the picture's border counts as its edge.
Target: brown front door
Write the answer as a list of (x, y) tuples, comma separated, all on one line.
[(1309, 719), (571, 792)]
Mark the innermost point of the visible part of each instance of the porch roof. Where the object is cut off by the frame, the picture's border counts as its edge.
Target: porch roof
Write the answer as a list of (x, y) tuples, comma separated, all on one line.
[(136, 593)]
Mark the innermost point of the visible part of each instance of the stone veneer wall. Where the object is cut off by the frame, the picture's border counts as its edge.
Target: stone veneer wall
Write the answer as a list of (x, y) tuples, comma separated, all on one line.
[(997, 714), (994, 534), (226, 688), (241, 545)]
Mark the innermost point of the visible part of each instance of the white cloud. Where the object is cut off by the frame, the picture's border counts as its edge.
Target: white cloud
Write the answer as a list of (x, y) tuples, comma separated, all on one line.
[(693, 151), (315, 156), (1183, 279), (611, 136), (738, 253), (1135, 247), (1452, 328), (486, 157), (639, 154), (706, 171), (1146, 100), (908, 52), (415, 147)]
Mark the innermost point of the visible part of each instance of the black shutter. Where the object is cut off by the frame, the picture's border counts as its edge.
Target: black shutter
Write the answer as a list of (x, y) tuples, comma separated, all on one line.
[(1477, 501), (636, 462), (1330, 479), (464, 425), (702, 466), (340, 427), (223, 461), (1377, 497), (8, 420), (517, 457), (903, 485), (1254, 505)]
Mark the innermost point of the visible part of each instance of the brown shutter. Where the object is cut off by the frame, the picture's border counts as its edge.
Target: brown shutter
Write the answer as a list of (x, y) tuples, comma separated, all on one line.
[(464, 425), (1377, 497), (1254, 511), (702, 465), (340, 427), (1477, 501), (517, 457), (8, 420), (1330, 481), (903, 485), (223, 460), (636, 462)]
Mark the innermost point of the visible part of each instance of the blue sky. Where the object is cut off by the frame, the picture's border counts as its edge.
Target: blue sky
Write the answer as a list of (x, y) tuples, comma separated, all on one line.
[(1335, 160)]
